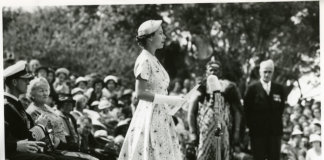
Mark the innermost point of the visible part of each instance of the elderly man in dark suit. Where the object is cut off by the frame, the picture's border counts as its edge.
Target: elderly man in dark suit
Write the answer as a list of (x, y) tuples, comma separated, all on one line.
[(264, 104)]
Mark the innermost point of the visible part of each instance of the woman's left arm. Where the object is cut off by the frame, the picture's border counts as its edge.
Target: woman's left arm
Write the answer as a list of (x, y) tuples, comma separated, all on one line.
[(141, 90)]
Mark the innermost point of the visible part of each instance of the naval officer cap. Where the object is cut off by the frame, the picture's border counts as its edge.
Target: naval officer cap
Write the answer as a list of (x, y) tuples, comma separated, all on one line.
[(17, 70)]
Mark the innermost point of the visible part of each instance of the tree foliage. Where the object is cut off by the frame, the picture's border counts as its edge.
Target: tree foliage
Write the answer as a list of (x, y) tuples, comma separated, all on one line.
[(101, 39)]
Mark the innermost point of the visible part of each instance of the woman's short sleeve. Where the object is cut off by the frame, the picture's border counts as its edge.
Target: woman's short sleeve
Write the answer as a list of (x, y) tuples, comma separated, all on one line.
[(142, 69)]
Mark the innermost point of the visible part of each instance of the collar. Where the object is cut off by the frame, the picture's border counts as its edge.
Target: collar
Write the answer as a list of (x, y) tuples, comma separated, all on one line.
[(11, 96), (264, 83), (148, 54)]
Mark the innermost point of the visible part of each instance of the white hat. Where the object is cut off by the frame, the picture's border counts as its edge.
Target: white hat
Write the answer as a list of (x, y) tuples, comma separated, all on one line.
[(80, 79), (94, 103), (119, 139), (127, 92), (267, 64), (148, 27), (19, 69), (100, 133), (296, 132), (314, 137), (104, 104), (111, 77), (62, 70), (77, 90)]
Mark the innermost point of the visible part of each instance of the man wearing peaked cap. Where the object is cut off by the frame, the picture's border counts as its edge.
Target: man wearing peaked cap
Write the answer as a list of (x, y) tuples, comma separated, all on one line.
[(264, 103), (18, 141), (18, 70)]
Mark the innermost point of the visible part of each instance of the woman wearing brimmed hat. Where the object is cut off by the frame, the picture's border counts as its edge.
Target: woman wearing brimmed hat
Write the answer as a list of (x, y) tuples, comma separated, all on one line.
[(60, 84), (110, 89), (151, 134), (315, 153)]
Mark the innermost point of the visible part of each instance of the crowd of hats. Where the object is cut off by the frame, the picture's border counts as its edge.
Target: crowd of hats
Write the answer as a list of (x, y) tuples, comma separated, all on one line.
[(302, 127)]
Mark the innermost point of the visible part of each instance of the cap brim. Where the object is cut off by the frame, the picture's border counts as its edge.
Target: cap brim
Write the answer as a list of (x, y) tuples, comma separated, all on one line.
[(27, 76)]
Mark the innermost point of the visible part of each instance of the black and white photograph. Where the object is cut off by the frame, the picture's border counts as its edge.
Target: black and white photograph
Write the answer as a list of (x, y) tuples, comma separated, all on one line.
[(161, 81)]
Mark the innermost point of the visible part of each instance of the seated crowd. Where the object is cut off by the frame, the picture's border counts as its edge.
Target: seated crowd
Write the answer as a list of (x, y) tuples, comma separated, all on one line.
[(89, 115)]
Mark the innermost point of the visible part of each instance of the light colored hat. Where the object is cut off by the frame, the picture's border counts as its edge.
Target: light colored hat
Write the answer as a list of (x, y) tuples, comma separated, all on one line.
[(111, 77), (100, 133), (148, 27), (18, 70), (314, 137), (267, 64), (94, 103), (296, 132), (104, 104), (77, 90), (62, 70), (80, 79), (127, 92), (119, 139)]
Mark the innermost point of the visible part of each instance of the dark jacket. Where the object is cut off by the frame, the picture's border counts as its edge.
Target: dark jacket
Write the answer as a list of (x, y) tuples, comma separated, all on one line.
[(264, 112), (16, 127)]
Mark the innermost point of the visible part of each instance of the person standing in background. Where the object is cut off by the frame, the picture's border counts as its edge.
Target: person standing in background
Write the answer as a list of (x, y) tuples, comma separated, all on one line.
[(264, 104), (205, 113)]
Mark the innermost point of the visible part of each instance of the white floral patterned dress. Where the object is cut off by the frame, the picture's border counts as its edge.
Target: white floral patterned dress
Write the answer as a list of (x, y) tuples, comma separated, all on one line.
[(151, 134)]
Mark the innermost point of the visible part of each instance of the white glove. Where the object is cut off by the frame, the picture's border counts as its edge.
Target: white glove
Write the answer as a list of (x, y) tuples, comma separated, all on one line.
[(171, 100), (174, 103)]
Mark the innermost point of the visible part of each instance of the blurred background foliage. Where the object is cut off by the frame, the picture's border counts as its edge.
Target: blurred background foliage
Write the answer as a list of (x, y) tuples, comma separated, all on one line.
[(101, 39)]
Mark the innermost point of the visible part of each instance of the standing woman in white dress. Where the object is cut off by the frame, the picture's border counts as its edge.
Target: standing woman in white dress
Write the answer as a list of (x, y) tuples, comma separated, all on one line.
[(151, 134)]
